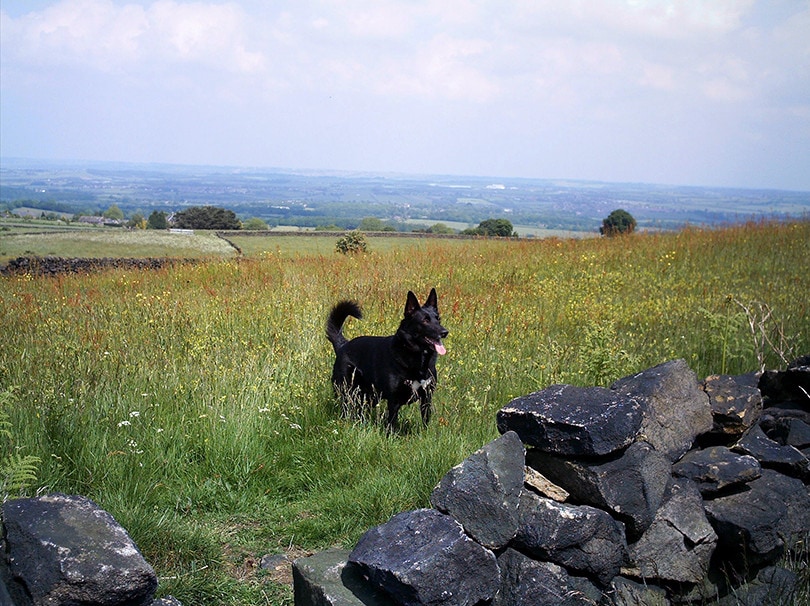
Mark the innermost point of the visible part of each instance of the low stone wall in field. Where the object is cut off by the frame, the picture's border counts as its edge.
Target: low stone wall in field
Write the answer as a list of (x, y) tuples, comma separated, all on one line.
[(660, 490), (52, 266)]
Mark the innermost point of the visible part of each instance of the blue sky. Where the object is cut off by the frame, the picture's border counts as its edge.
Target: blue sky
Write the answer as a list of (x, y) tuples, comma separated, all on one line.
[(659, 91)]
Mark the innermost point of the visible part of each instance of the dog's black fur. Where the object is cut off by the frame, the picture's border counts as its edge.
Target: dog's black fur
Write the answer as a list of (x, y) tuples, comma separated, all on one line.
[(400, 368)]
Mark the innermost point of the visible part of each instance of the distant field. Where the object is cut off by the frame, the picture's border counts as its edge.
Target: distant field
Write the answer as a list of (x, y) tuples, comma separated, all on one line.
[(48, 238), (305, 245), (109, 242), (27, 211), (522, 230)]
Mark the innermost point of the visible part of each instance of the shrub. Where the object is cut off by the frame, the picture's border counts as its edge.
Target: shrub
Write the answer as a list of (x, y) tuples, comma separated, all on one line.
[(375, 224), (352, 242), (255, 224), (440, 228)]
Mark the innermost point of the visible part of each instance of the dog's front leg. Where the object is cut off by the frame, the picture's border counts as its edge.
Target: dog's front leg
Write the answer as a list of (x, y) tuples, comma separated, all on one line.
[(426, 407), (394, 404)]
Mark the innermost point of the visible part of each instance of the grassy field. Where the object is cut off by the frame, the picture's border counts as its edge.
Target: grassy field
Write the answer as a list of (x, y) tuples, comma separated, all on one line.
[(99, 242), (193, 402), (290, 246), (46, 238)]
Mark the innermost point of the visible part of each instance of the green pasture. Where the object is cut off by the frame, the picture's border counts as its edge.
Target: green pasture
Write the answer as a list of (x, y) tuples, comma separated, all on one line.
[(98, 242), (47, 238), (193, 402), (257, 246)]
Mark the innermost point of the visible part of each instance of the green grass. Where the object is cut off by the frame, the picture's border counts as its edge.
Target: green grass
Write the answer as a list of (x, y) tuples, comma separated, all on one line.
[(193, 402), (36, 237), (111, 242), (324, 245)]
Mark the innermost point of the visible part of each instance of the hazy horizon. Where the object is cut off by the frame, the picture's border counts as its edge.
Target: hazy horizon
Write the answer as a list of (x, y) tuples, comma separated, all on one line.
[(682, 93), (346, 173)]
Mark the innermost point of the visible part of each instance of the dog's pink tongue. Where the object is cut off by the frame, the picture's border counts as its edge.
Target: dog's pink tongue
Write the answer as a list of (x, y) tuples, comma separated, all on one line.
[(439, 348)]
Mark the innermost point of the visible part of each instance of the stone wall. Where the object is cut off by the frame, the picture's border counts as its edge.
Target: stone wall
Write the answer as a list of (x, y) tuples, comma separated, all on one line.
[(660, 490), (52, 266)]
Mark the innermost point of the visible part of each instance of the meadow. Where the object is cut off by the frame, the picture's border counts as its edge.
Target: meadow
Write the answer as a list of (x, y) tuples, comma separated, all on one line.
[(40, 238), (193, 402)]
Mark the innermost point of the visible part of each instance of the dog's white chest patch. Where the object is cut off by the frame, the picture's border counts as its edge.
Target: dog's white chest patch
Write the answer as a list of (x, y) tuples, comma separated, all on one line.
[(417, 384)]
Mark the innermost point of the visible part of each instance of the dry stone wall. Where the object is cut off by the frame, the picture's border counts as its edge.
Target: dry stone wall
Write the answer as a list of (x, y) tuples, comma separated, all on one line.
[(54, 266), (660, 490)]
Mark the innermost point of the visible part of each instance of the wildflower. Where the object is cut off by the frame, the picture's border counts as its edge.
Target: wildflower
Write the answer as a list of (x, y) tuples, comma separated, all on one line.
[(124, 424), (134, 414)]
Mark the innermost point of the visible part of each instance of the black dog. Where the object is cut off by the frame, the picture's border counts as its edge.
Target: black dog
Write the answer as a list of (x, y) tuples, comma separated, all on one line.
[(400, 368)]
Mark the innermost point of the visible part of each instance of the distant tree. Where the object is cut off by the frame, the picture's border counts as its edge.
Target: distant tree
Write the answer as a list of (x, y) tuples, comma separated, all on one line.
[(157, 220), (374, 224), (137, 220), (493, 228), (113, 212), (352, 242), (331, 227), (440, 228), (618, 222), (206, 217), (255, 224)]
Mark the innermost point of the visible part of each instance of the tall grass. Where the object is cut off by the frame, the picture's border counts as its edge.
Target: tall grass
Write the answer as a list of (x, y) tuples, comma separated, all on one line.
[(193, 402)]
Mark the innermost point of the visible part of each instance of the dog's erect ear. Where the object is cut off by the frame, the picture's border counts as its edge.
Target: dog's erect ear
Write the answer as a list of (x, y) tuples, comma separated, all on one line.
[(411, 305), (432, 300)]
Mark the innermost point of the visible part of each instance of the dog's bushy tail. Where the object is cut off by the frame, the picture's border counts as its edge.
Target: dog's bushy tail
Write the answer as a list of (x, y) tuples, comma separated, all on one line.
[(334, 324)]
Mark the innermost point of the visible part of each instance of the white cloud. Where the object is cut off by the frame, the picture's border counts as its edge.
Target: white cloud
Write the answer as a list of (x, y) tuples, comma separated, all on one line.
[(92, 32), (100, 34), (204, 33), (454, 49), (658, 76), (444, 67)]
